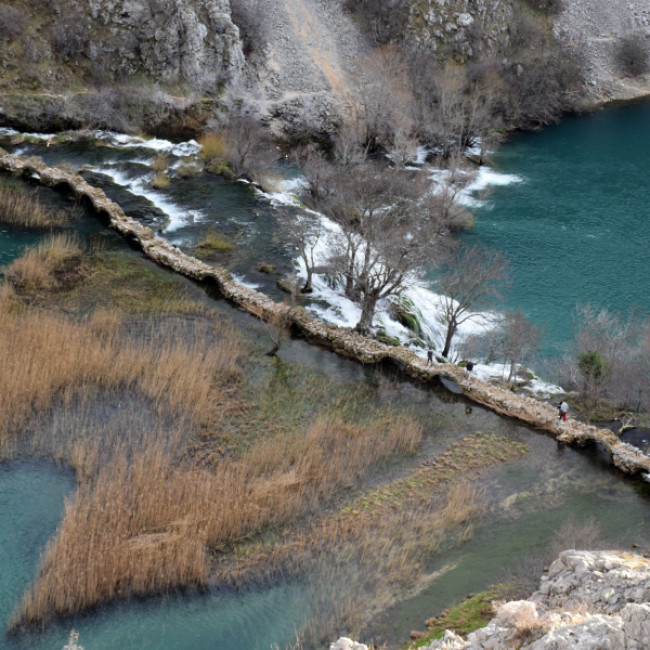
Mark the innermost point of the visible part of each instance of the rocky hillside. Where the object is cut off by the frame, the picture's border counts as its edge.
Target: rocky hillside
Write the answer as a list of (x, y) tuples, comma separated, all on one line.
[(300, 65), (588, 601), (600, 29)]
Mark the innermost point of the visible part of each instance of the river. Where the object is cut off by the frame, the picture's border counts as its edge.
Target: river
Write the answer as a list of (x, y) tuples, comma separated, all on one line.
[(574, 228)]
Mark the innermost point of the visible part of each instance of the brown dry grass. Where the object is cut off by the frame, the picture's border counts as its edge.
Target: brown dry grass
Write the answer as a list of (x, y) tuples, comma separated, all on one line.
[(18, 208), (146, 525), (213, 147), (55, 263), (49, 358)]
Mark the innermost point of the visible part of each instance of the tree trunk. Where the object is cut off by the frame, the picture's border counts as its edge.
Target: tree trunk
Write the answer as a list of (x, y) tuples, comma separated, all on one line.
[(451, 330), (367, 314), (307, 288)]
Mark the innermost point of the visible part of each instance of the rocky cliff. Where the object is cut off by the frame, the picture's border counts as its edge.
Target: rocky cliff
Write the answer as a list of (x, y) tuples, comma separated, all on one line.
[(130, 64), (599, 28), (588, 601), (121, 64)]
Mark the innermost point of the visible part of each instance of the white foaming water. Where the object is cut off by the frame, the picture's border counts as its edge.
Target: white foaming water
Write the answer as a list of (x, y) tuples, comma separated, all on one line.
[(485, 178), (177, 216), (189, 148), (425, 303), (245, 283)]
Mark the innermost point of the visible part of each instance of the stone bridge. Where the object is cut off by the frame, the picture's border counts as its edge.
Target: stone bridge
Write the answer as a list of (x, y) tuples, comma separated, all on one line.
[(343, 341)]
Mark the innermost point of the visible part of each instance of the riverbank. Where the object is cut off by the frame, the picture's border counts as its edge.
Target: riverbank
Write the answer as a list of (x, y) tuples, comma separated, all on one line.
[(343, 341), (587, 600)]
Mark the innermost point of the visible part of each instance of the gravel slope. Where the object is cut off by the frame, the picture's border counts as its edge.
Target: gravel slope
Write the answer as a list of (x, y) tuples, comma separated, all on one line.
[(311, 60)]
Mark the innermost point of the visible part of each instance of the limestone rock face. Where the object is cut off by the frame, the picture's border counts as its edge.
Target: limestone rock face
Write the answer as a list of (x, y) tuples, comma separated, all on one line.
[(588, 601), (598, 27), (461, 28), (188, 42)]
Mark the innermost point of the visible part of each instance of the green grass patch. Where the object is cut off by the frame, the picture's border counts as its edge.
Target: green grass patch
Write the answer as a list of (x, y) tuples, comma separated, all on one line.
[(214, 243), (469, 615), (473, 453), (125, 282)]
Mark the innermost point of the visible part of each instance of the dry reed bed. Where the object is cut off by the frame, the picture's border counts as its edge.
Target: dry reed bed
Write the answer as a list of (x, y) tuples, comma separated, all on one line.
[(144, 526), (143, 522), (55, 263), (376, 550), (18, 208), (422, 487), (48, 357)]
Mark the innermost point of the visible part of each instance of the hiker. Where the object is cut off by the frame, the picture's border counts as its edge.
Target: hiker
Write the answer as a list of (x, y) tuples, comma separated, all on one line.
[(429, 356), (469, 367), (564, 407)]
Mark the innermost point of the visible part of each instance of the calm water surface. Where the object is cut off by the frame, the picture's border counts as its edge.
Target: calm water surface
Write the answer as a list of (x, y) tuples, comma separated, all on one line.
[(576, 229)]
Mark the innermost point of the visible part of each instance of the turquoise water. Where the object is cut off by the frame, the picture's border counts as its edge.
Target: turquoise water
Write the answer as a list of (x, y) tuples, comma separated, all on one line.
[(31, 506), (14, 241), (576, 229)]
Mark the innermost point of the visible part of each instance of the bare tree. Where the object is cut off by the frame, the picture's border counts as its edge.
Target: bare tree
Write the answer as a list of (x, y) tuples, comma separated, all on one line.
[(382, 104), (302, 232), (388, 229), (456, 105), (248, 146), (516, 339), (473, 280)]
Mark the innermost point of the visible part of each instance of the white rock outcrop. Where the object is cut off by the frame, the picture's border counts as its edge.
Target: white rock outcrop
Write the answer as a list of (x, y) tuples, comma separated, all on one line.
[(588, 601), (596, 600)]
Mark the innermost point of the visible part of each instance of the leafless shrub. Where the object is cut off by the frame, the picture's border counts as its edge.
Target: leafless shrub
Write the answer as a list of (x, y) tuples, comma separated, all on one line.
[(384, 20), (12, 22), (633, 56), (574, 534), (69, 40), (547, 7), (524, 576)]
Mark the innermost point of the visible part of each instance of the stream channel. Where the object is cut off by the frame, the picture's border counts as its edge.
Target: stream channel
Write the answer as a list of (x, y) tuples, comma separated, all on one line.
[(527, 500)]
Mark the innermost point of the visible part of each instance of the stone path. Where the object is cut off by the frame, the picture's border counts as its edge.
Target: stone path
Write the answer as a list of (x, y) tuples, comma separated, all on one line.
[(343, 341)]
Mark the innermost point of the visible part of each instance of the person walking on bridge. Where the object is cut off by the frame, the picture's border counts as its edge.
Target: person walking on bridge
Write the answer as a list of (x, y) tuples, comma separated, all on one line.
[(564, 408)]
